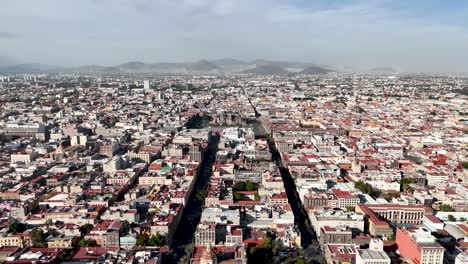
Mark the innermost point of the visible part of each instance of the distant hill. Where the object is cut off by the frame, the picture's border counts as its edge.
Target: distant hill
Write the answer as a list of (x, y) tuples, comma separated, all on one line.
[(267, 69), (220, 66), (315, 70), (132, 66), (227, 62), (203, 66), (283, 64)]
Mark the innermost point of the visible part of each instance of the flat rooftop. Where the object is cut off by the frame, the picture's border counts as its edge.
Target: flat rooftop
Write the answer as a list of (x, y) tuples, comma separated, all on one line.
[(372, 254)]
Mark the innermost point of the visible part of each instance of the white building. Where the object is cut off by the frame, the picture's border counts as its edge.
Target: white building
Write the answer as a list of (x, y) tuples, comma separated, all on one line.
[(24, 157), (367, 256)]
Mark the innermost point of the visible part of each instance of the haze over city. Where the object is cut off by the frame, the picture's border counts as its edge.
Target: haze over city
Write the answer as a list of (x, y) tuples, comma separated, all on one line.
[(407, 35)]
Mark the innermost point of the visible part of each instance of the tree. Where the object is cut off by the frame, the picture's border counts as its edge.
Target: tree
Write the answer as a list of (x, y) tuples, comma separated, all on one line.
[(451, 218), (390, 195), (465, 164), (16, 227), (238, 196), (256, 196), (462, 219), (37, 237), (250, 186), (157, 240), (153, 241), (363, 187), (446, 208), (87, 243), (239, 186), (262, 253), (142, 240), (405, 182), (300, 261), (84, 229), (201, 196), (350, 208)]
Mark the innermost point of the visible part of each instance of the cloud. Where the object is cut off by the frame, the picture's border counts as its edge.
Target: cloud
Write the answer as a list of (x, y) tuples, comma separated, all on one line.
[(347, 32)]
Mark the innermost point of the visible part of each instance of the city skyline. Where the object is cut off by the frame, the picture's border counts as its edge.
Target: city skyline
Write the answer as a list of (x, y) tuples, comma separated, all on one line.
[(427, 36)]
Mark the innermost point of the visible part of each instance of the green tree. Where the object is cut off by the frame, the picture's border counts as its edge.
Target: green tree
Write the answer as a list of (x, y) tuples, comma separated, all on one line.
[(87, 243), (300, 261), (239, 186), (157, 240), (451, 218), (465, 164), (363, 187), (142, 240), (446, 208), (201, 196), (256, 196), (250, 186), (262, 253), (350, 208), (16, 227), (462, 219), (390, 195), (405, 182), (238, 196), (37, 237)]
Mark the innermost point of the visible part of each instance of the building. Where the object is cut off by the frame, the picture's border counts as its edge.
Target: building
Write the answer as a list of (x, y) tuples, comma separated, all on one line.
[(376, 225), (395, 213), (140, 157), (205, 235), (368, 256), (340, 253), (13, 129), (335, 235), (418, 246), (196, 152), (112, 238), (345, 199), (336, 218), (79, 140), (434, 178), (108, 149), (113, 165), (146, 84), (22, 157), (432, 223), (61, 242)]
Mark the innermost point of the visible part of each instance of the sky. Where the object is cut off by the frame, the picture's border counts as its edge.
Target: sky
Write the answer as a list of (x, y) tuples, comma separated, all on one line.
[(416, 35)]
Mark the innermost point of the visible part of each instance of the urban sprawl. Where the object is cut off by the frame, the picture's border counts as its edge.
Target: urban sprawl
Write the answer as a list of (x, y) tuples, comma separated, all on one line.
[(336, 168)]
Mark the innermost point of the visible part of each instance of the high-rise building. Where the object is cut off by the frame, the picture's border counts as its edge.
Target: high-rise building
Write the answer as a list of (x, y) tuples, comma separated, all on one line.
[(146, 84), (419, 246)]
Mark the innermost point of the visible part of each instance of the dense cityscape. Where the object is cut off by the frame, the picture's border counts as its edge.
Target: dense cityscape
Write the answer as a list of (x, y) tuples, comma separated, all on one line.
[(233, 168)]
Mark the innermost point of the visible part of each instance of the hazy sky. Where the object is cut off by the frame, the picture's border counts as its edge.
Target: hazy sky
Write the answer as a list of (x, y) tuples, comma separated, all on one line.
[(412, 35)]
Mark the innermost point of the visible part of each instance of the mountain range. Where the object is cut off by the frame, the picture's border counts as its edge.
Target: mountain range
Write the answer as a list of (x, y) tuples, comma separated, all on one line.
[(216, 67)]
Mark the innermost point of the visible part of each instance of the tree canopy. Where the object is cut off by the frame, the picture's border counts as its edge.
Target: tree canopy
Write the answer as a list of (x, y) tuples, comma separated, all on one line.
[(446, 208), (87, 243), (37, 237), (153, 241), (16, 227), (363, 187)]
